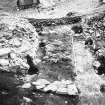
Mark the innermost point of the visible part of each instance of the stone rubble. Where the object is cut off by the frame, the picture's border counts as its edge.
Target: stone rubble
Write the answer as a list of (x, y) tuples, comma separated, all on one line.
[(17, 39), (59, 87)]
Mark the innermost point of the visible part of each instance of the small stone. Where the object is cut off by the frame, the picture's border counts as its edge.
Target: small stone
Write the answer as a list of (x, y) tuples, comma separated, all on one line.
[(103, 1), (30, 78), (66, 102), (4, 62), (62, 90), (76, 34), (13, 55), (98, 34), (40, 86), (41, 82), (100, 51), (4, 51), (25, 46), (16, 43), (91, 31), (72, 90), (17, 9), (36, 61), (51, 94), (4, 93), (96, 64), (26, 85), (25, 65), (27, 99), (50, 87)]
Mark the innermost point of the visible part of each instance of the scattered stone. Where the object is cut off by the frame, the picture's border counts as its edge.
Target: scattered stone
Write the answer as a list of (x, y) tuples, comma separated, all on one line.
[(26, 85)]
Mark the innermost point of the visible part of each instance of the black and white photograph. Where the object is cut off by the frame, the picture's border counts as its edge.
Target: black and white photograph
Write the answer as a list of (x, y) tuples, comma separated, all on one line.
[(52, 52)]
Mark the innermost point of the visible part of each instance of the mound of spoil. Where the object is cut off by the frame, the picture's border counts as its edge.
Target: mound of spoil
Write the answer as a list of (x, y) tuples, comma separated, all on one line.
[(18, 38)]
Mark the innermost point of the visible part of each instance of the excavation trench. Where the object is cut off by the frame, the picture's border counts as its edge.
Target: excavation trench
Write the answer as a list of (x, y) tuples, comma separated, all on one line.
[(56, 57), (63, 56)]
